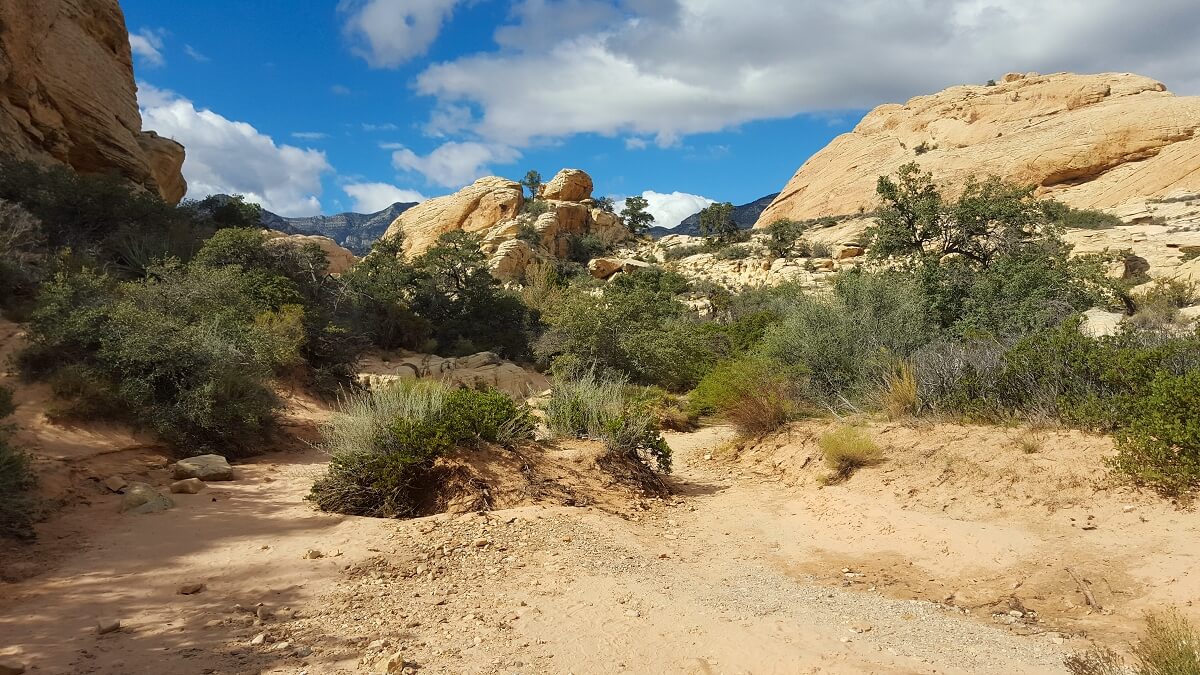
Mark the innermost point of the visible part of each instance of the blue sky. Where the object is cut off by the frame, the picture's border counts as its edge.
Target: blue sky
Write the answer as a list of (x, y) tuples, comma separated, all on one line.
[(329, 106)]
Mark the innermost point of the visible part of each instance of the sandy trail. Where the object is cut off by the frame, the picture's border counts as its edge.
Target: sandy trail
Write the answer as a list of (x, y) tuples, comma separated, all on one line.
[(704, 582)]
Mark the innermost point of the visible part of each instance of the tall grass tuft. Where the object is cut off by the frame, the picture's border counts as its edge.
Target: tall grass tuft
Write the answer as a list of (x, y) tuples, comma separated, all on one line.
[(604, 408), (847, 450), (1170, 645), (899, 395)]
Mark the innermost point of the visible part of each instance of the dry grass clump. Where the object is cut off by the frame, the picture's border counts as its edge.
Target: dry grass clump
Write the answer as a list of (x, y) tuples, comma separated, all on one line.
[(1169, 646), (899, 395), (847, 450), (1031, 442)]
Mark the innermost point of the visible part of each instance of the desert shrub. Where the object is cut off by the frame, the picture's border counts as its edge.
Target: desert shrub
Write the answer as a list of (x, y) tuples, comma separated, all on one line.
[(1086, 219), (847, 450), (528, 234), (16, 484), (179, 353), (582, 248), (535, 207), (750, 393), (467, 308), (16, 480), (681, 252), (603, 408), (1170, 645), (804, 249), (737, 252), (900, 392), (1161, 444), (635, 329), (1031, 441), (379, 290), (782, 236), (384, 443), (820, 249), (837, 344)]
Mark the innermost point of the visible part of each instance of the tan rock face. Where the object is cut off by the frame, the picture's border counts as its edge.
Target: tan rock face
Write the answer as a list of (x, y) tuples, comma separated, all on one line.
[(340, 259), (1092, 141), (483, 369), (67, 94), (569, 185), (492, 207), (475, 208)]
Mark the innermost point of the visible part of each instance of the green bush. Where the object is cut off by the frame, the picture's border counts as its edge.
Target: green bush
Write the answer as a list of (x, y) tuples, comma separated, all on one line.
[(749, 393), (1161, 444), (738, 252), (637, 329), (839, 344), (847, 450), (582, 248), (1170, 645), (681, 252), (384, 444), (16, 480), (820, 249), (782, 236), (1086, 219), (604, 408)]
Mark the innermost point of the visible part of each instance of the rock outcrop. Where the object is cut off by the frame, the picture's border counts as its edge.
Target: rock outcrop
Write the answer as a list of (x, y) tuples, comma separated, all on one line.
[(340, 259), (494, 209), (355, 231), (1091, 141), (67, 94), (478, 370)]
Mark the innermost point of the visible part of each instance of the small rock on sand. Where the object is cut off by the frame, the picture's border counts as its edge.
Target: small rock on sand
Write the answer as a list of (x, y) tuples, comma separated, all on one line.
[(313, 554), (187, 486), (142, 498), (11, 668), (190, 588), (105, 626), (204, 467), (392, 664), (115, 483)]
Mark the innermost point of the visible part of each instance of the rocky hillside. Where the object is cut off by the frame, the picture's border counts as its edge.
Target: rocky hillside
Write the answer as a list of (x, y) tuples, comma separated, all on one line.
[(67, 94), (1092, 141), (513, 236), (744, 216), (355, 231)]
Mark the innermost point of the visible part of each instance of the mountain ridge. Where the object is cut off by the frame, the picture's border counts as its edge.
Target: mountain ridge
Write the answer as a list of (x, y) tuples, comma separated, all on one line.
[(744, 215), (355, 231)]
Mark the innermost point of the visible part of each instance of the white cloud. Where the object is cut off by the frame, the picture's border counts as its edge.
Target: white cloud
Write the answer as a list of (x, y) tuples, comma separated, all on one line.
[(341, 90), (387, 126), (225, 156), (670, 208), (388, 33), (665, 69), (391, 146), (455, 164), (372, 197), (635, 143), (310, 135), (195, 54), (147, 45)]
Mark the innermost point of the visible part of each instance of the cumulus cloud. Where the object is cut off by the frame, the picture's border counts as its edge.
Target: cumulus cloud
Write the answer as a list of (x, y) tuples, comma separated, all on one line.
[(310, 135), (226, 156), (664, 69), (372, 197), (455, 164), (147, 45), (388, 33), (670, 208)]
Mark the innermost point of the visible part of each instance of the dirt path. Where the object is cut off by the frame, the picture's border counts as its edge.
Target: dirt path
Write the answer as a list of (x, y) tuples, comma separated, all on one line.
[(702, 583)]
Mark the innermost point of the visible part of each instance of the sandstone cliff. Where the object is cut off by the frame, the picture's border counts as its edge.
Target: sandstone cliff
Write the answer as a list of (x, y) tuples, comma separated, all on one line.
[(1092, 141), (67, 94), (494, 208)]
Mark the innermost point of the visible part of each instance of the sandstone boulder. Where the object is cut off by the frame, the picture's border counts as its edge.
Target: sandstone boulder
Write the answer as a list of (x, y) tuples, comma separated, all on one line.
[(604, 268), (205, 467), (568, 185), (340, 259), (1092, 141), (483, 369), (475, 208), (1098, 322), (509, 261), (142, 498), (187, 486), (67, 94)]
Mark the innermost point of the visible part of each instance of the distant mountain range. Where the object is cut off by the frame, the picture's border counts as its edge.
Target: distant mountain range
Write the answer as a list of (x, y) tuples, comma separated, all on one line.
[(745, 216), (355, 231)]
